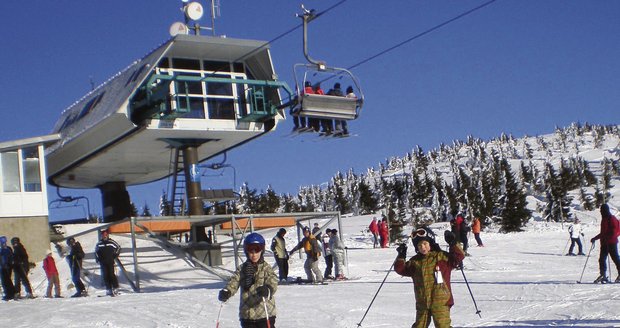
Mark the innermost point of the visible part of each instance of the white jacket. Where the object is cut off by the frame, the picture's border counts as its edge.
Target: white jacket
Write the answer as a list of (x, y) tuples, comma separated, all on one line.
[(575, 230)]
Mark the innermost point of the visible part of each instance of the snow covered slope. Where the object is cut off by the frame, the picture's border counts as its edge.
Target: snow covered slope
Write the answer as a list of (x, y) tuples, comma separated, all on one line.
[(518, 279)]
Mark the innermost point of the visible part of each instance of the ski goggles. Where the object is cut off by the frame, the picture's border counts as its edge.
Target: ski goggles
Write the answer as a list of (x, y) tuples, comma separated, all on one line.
[(254, 248)]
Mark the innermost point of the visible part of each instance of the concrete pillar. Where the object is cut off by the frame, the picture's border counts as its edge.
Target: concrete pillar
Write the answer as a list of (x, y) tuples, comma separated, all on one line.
[(115, 201)]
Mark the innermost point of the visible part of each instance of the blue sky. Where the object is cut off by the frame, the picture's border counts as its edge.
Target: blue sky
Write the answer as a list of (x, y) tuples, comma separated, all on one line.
[(519, 67)]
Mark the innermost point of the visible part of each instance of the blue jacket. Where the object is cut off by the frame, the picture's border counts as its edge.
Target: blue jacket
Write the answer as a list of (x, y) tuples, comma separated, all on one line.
[(6, 258)]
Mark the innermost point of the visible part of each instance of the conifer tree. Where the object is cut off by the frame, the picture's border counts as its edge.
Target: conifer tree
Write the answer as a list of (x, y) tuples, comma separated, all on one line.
[(515, 213), (586, 200), (146, 211), (367, 201)]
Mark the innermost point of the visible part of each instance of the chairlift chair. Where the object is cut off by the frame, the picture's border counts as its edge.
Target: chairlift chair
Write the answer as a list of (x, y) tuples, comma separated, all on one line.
[(326, 106), (323, 106)]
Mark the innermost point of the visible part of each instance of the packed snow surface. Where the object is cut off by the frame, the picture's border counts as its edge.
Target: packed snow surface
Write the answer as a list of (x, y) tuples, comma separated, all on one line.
[(518, 280)]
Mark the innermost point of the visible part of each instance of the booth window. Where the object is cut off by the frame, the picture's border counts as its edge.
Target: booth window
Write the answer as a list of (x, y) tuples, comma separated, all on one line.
[(10, 171), (31, 169)]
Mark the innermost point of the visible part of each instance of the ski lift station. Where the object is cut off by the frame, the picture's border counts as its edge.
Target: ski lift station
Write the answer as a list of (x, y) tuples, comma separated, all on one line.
[(190, 99)]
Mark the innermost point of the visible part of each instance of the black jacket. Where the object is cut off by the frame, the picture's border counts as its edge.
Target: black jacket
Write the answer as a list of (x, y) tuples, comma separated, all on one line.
[(20, 257), (76, 254), (106, 251)]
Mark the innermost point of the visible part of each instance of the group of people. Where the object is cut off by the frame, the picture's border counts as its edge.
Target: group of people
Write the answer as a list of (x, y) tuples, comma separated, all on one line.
[(315, 245), (14, 263), (258, 282), (380, 232), (323, 125), (460, 227)]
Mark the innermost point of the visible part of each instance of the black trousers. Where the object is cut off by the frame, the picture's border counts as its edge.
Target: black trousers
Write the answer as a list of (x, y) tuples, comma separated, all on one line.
[(7, 284), (329, 264), (262, 323), (109, 278), (478, 240), (20, 276), (574, 241), (612, 251), (282, 268)]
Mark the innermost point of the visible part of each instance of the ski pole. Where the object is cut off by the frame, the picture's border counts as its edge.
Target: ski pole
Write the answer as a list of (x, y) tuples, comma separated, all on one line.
[(346, 255), (217, 322), (266, 313), (377, 293), (564, 250), (584, 266), (470, 293)]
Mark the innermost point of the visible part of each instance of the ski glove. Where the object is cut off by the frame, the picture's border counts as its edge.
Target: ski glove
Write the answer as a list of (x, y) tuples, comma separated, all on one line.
[(449, 237), (224, 295), (402, 251), (263, 291)]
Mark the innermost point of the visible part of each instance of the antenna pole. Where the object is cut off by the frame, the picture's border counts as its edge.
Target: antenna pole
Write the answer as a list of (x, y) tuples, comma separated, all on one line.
[(213, 17)]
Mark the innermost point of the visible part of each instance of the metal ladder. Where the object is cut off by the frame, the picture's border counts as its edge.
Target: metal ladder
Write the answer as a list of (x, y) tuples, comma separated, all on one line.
[(177, 192)]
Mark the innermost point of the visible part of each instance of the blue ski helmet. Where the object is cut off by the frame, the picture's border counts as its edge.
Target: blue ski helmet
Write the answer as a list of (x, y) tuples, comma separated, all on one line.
[(3, 240), (253, 239)]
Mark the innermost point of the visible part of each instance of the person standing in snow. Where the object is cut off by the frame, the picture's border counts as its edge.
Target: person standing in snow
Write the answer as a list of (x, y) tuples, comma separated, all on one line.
[(476, 227), (21, 266), (258, 283), (51, 272), (455, 226), (106, 252), (610, 230), (575, 232), (6, 267), (313, 252), (374, 229), (337, 249), (327, 252), (384, 233), (430, 271), (76, 254), (278, 247)]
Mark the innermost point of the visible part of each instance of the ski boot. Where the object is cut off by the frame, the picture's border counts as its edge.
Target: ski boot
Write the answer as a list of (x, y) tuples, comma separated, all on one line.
[(601, 279)]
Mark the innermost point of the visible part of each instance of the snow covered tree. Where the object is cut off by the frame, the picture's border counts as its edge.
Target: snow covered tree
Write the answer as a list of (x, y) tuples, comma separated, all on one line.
[(267, 202)]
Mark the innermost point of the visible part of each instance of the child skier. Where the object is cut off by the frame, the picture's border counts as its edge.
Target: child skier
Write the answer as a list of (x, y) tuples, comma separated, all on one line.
[(258, 283), (430, 271), (49, 266)]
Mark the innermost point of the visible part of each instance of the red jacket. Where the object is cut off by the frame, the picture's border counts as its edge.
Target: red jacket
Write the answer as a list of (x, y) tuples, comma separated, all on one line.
[(373, 227), (49, 265), (383, 229), (610, 230)]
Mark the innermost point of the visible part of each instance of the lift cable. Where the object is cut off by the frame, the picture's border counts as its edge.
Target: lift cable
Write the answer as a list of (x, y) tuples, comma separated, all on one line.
[(436, 27), (289, 31)]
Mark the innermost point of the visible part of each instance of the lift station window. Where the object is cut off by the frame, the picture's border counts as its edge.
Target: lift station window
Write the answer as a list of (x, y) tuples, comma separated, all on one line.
[(199, 99)]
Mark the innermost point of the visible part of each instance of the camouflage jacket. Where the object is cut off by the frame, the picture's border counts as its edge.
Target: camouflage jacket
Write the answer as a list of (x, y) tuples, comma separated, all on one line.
[(251, 305)]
